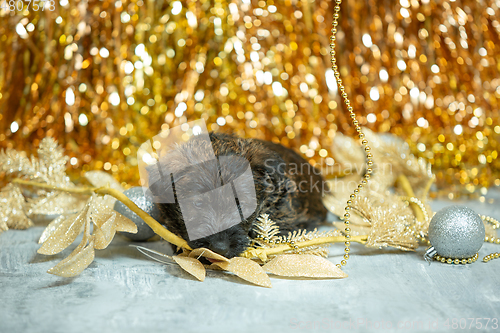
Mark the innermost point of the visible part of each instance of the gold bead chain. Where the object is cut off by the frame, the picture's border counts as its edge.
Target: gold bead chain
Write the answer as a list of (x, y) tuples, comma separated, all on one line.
[(369, 163), (491, 256), (456, 261), (420, 205), (495, 240), (364, 142), (419, 234), (495, 225)]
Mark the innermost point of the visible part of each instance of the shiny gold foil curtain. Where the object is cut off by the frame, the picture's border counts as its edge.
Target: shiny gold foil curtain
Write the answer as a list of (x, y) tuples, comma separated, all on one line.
[(104, 76)]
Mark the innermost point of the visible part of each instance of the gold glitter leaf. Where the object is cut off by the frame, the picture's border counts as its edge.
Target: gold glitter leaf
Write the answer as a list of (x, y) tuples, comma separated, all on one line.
[(204, 252), (14, 162), (12, 215), (52, 227), (348, 152), (104, 233), (107, 221), (390, 221), (76, 262), (305, 265), (65, 234), (49, 167), (377, 211), (247, 270), (100, 178), (52, 203), (192, 266), (336, 205), (124, 224), (100, 209), (53, 162)]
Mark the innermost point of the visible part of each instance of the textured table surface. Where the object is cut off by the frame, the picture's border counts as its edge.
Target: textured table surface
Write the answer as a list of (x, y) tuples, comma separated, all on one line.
[(124, 291)]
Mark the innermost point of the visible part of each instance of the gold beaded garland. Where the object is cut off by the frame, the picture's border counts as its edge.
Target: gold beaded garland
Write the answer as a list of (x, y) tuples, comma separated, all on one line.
[(361, 135), (494, 240), (419, 204), (491, 256), (457, 261)]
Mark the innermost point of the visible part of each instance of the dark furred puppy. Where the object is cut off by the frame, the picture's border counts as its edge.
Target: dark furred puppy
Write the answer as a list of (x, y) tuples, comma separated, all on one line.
[(287, 188)]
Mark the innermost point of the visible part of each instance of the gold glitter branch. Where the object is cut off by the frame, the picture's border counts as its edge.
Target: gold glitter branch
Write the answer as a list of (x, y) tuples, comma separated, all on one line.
[(176, 240), (264, 253), (157, 227)]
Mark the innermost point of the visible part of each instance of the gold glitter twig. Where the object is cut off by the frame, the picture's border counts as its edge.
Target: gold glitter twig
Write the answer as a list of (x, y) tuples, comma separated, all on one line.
[(174, 239), (263, 253), (151, 222)]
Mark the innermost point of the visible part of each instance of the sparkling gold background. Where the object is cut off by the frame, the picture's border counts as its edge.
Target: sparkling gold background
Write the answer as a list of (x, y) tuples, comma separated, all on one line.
[(104, 76)]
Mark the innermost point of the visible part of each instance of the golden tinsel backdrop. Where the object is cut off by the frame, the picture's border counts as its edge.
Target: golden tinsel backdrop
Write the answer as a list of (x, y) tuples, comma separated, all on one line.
[(102, 77)]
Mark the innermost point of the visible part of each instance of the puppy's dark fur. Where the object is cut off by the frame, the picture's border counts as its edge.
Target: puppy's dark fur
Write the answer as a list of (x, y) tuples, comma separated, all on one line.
[(286, 186)]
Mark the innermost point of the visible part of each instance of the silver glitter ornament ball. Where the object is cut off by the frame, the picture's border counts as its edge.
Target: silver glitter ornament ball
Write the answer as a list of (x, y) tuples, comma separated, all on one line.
[(456, 232), (136, 194)]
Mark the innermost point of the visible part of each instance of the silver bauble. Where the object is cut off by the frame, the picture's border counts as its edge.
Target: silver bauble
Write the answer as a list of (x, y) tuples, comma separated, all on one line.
[(456, 232), (136, 194)]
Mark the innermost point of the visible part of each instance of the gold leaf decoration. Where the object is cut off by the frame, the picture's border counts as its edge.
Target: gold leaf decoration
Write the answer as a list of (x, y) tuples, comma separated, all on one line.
[(49, 168), (191, 265), (76, 262), (60, 234), (53, 163), (106, 221), (387, 220), (391, 225), (309, 266), (54, 203), (268, 236), (104, 232), (266, 228), (204, 252), (17, 207), (52, 226), (102, 210), (394, 157), (65, 234), (15, 162), (247, 270), (347, 154), (81, 257), (391, 157), (124, 224), (100, 178), (12, 204), (377, 212)]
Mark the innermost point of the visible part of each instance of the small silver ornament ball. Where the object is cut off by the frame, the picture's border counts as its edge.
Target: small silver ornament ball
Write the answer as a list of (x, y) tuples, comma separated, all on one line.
[(456, 232), (136, 194)]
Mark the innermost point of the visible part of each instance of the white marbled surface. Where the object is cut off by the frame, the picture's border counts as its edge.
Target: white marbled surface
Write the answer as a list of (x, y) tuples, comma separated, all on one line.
[(124, 291)]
